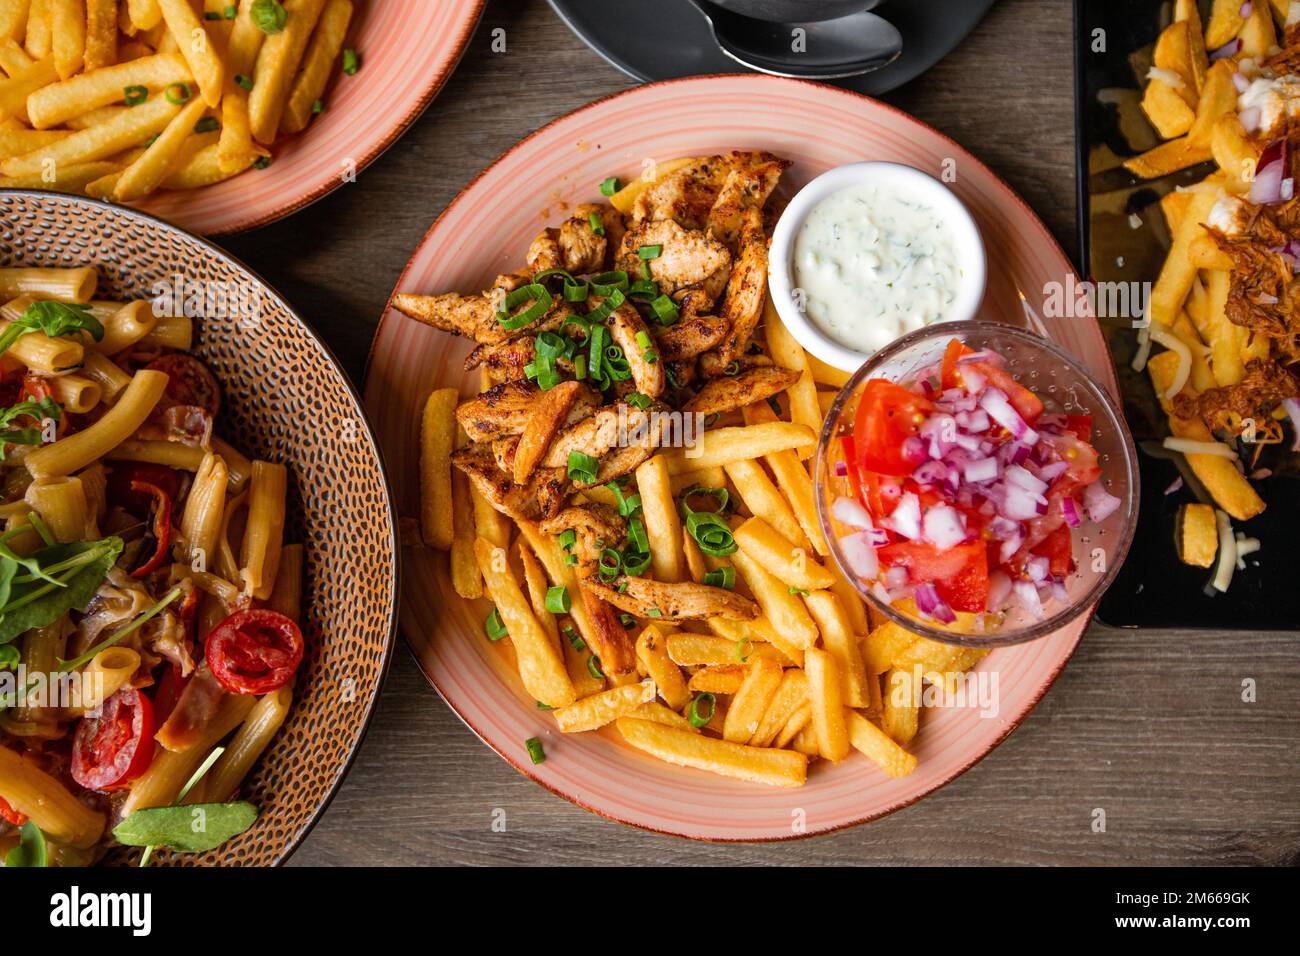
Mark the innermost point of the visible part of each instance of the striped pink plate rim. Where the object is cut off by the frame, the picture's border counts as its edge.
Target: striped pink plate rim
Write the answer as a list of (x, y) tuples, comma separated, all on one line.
[(408, 50), (484, 232)]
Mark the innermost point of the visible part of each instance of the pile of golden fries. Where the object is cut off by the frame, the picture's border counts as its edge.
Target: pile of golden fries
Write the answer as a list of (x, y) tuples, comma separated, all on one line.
[(119, 99), (755, 700), (1191, 100)]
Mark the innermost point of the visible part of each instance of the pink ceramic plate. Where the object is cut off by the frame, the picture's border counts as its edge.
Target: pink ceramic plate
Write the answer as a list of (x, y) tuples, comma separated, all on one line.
[(408, 50), (486, 231)]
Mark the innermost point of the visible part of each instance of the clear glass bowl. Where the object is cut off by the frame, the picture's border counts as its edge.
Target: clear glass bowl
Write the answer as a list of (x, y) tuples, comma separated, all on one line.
[(1099, 549)]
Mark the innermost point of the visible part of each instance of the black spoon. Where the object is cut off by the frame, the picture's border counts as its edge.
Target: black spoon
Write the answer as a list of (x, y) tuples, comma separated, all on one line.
[(812, 49)]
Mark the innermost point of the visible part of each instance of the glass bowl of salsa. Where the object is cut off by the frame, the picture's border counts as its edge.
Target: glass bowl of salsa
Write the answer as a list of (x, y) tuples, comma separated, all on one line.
[(976, 485)]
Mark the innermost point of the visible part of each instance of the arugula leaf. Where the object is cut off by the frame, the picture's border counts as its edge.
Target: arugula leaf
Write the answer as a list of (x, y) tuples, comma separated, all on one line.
[(191, 829), (31, 851), (9, 657), (79, 568), (39, 410), (54, 319)]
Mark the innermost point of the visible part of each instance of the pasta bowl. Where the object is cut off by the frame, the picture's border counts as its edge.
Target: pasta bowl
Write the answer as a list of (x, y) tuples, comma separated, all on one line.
[(285, 401)]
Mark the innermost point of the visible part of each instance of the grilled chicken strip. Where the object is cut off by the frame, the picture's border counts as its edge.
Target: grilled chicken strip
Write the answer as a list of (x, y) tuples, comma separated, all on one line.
[(500, 411), (504, 363), (469, 315), (690, 336), (688, 195), (624, 326), (676, 600), (549, 414), (609, 638), (687, 258), (729, 392), (597, 527), (478, 462), (745, 189), (575, 245), (742, 306)]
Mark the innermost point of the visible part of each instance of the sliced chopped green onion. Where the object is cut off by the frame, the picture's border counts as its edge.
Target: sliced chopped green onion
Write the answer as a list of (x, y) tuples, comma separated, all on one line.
[(636, 534), (207, 124), (638, 400), (743, 648), (582, 467), (627, 506), (243, 81), (494, 626), (650, 252), (535, 752), (696, 716), (597, 226), (627, 620), (723, 577), (634, 563), (351, 62), (262, 162), (797, 592), (711, 533), (609, 186), (643, 340), (665, 310), (593, 667), (607, 282), (644, 289), (557, 600), (318, 106), (722, 495), (610, 565), (568, 538), (575, 639), (181, 96), (540, 300), (580, 367), (230, 12), (541, 706), (570, 560), (774, 404), (732, 369), (135, 95)]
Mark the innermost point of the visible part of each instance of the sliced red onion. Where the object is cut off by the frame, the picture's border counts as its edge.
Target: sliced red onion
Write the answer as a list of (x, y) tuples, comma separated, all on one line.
[(983, 355), (929, 603), (841, 469), (1037, 568), (1231, 48), (1292, 407), (1265, 298), (878, 537), (999, 591), (1049, 473), (860, 555), (1246, 9), (1026, 596), (1241, 83), (850, 512), (1250, 118), (973, 380), (906, 518), (982, 469), (1266, 187), (995, 402), (1174, 485), (943, 527), (1071, 512), (896, 577), (1021, 477), (1287, 192), (1099, 503)]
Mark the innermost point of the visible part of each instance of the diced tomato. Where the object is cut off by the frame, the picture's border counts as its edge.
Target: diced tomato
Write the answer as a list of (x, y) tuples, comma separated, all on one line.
[(1056, 548), (880, 493), (888, 415), (111, 750), (254, 651), (1081, 425), (10, 815), (960, 574), (1082, 459), (948, 370), (1022, 399)]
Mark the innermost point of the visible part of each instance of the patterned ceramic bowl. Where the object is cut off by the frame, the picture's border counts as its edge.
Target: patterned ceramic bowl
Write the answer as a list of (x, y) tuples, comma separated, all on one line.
[(285, 399)]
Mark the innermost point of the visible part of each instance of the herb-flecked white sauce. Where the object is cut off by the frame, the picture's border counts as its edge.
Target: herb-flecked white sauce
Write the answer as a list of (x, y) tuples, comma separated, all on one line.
[(874, 263)]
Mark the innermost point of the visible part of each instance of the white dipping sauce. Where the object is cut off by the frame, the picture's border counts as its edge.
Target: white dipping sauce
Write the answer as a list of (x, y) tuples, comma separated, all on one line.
[(874, 263)]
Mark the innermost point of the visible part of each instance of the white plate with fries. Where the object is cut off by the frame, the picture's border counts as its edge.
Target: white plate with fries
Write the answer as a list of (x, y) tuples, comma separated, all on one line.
[(791, 749), (217, 117)]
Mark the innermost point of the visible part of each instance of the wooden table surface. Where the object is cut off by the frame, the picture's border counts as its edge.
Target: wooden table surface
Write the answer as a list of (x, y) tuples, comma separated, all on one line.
[(1148, 726)]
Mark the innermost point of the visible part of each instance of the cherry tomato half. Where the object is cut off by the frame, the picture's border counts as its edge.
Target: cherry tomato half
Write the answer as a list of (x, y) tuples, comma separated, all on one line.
[(948, 377), (888, 415), (1029, 405), (111, 750), (188, 382), (254, 651)]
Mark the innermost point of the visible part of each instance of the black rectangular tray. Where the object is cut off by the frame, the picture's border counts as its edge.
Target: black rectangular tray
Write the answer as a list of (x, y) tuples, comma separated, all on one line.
[(1123, 238)]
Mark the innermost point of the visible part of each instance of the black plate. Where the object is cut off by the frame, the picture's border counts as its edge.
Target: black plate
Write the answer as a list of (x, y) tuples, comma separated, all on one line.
[(664, 39), (1123, 238)]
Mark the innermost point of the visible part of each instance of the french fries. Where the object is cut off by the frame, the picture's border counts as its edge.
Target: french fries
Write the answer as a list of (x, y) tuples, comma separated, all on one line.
[(778, 768), (136, 91), (437, 435)]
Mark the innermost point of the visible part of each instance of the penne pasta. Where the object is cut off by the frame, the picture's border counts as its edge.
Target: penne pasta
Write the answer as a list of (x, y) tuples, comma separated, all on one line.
[(40, 797), (84, 447), (264, 532), (204, 510), (249, 743), (62, 505)]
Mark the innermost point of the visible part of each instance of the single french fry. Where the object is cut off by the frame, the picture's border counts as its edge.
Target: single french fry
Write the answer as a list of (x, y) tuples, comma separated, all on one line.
[(789, 697), (535, 582), (900, 703), (16, 142), (1179, 270), (99, 142), (662, 524), (762, 679), (662, 715), (15, 90), (541, 668), (1225, 23), (713, 477), (759, 629), (37, 42), (101, 34), (144, 14), (695, 564), (827, 699), (786, 560), (1173, 52), (694, 650), (577, 661), (145, 174), (788, 353), (717, 679), (799, 721), (194, 43), (1257, 34), (237, 149), (198, 164), (840, 642), (870, 740), (13, 58), (781, 768), (625, 198), (75, 178), (1190, 11), (437, 437), (792, 478), (317, 64), (277, 62), (723, 446), (592, 713), (652, 653), (1218, 96), (883, 645), (784, 610), (13, 19), (851, 600), (1198, 535), (488, 522), (1233, 152), (1168, 157), (763, 499), (60, 102), (1167, 109), (466, 579), (68, 35), (1219, 333)]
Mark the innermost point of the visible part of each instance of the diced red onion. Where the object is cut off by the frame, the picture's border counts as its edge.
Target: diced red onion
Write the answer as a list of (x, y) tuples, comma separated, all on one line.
[(1250, 118), (896, 577), (943, 527), (1266, 187), (1071, 512), (1265, 298), (1241, 83), (995, 402), (1231, 48), (982, 469), (1099, 503), (850, 512), (1287, 192), (1049, 473), (906, 517), (1019, 504), (841, 469), (913, 450), (973, 380), (1174, 485), (983, 355), (860, 555), (931, 473), (1060, 593), (878, 537), (1027, 597), (1021, 477), (999, 591), (1246, 9), (1037, 568), (929, 603), (1010, 547)]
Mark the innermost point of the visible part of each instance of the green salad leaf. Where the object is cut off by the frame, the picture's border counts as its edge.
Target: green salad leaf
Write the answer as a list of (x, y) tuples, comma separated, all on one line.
[(191, 829), (31, 850), (59, 578)]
